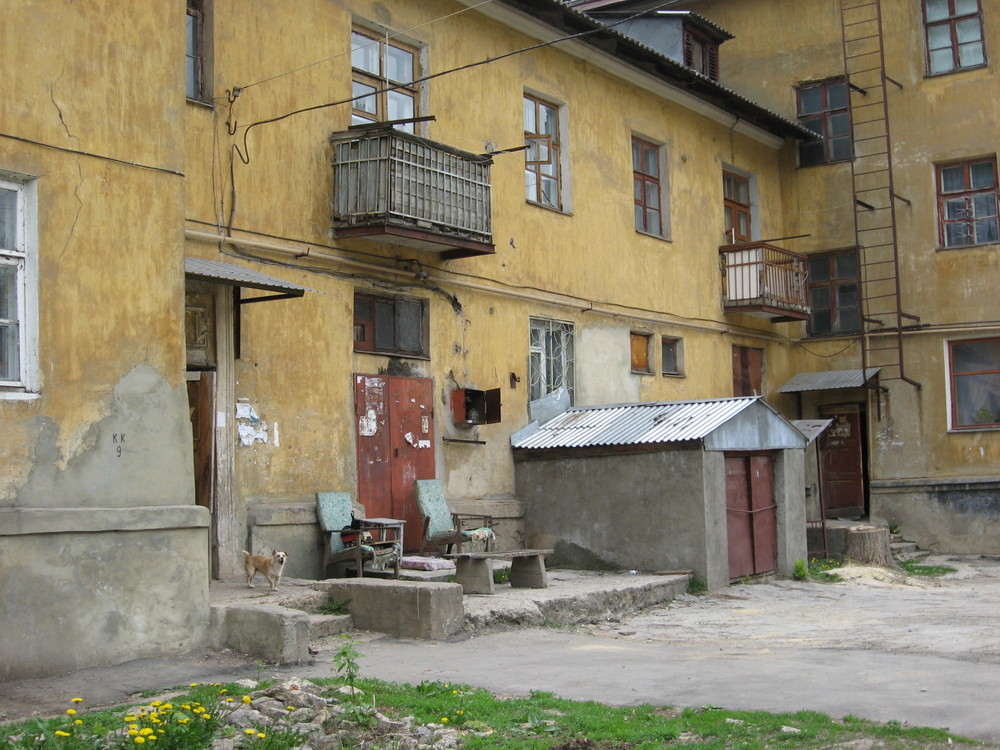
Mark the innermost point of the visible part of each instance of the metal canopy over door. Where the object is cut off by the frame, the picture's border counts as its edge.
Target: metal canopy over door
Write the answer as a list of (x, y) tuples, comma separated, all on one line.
[(842, 461), (394, 423), (751, 515)]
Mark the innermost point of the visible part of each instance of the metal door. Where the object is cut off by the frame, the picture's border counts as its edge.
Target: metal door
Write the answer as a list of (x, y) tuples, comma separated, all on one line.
[(841, 461), (395, 446), (751, 515)]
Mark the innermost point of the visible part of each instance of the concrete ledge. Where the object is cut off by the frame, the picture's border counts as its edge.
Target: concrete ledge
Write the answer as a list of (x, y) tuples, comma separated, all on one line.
[(321, 626), (404, 608), (268, 631), (23, 521)]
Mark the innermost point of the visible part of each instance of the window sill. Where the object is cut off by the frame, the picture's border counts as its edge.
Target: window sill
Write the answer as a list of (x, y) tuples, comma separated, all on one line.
[(673, 375), (953, 71), (18, 395), (641, 372), (974, 428), (547, 207), (941, 248), (202, 104), (826, 163), (661, 237)]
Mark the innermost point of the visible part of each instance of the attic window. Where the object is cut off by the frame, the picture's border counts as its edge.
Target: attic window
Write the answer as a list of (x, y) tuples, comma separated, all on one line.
[(701, 53)]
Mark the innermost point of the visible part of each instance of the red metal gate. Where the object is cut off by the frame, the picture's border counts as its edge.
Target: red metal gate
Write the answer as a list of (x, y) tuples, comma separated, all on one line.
[(394, 427), (751, 515)]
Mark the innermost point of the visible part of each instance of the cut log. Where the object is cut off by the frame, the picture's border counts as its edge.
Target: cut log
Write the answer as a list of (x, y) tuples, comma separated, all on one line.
[(869, 545)]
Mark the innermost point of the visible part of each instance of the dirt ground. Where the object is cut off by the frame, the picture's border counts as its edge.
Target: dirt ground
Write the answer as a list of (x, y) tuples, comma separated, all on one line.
[(956, 616)]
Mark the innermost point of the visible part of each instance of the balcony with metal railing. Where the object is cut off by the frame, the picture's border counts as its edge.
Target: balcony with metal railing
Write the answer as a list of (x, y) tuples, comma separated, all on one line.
[(764, 280), (395, 187)]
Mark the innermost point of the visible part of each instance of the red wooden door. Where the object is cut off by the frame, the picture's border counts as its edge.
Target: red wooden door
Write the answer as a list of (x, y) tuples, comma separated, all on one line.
[(395, 446), (751, 515), (841, 464)]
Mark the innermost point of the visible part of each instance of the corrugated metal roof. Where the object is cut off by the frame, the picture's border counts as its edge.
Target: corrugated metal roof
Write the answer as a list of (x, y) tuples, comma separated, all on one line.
[(229, 273), (828, 381), (631, 424)]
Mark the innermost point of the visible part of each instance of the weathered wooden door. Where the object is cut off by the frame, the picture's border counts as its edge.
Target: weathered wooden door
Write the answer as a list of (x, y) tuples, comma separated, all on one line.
[(751, 515), (394, 423), (201, 402), (841, 463)]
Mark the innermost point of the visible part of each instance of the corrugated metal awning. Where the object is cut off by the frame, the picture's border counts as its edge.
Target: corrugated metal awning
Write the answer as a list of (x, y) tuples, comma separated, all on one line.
[(631, 424), (229, 273), (829, 380)]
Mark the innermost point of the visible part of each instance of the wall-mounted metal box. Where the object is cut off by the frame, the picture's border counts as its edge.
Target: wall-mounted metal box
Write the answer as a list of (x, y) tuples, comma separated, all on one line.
[(471, 407)]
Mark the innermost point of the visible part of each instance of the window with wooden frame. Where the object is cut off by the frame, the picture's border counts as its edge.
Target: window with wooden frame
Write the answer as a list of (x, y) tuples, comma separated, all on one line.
[(974, 375), (641, 354), (542, 173), (19, 376), (390, 325), (672, 356), (383, 74), (954, 34), (647, 192), (736, 200), (834, 294), (824, 108), (748, 371), (197, 47), (967, 203), (701, 53)]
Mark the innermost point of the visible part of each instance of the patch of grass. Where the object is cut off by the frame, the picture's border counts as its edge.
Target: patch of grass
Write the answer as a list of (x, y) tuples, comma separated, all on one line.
[(915, 569), (501, 575), (801, 570), (334, 606), (821, 570), (696, 585)]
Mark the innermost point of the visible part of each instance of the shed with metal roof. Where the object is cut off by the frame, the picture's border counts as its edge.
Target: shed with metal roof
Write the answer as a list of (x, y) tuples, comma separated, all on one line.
[(713, 486)]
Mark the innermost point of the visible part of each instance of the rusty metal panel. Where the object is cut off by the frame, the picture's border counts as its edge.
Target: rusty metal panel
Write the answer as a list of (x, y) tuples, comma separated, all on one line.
[(411, 430), (764, 515), (738, 518), (751, 515), (371, 415)]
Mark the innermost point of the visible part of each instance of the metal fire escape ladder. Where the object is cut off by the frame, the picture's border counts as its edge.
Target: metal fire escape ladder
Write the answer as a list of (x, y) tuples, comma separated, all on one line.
[(873, 190)]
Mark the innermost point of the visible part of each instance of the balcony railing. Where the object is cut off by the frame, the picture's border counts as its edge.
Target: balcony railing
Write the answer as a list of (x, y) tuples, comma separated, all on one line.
[(408, 190), (761, 279)]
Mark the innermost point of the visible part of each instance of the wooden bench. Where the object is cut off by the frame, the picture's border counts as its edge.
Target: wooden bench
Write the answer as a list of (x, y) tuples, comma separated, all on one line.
[(474, 572)]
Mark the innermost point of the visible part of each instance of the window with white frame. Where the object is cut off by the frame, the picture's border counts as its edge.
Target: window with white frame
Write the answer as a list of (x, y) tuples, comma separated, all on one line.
[(967, 203), (974, 372), (550, 357), (18, 330)]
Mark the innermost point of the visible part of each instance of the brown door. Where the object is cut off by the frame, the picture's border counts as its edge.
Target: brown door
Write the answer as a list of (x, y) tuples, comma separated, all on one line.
[(748, 371), (201, 402), (394, 423), (841, 464), (751, 515)]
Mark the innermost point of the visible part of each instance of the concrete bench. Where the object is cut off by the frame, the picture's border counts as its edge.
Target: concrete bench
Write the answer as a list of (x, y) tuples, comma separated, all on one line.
[(475, 574)]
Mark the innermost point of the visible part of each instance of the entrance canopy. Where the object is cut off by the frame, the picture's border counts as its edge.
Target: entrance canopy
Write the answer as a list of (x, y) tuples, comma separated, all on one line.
[(829, 380), (233, 275)]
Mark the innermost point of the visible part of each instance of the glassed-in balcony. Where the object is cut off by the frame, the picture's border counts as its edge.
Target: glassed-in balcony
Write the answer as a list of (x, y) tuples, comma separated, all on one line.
[(402, 189), (764, 280)]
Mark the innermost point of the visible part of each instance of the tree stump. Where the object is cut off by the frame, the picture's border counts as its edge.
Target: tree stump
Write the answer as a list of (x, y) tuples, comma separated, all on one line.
[(869, 545)]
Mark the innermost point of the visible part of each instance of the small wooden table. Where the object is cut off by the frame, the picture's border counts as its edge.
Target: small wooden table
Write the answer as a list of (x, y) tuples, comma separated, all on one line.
[(474, 572), (380, 527)]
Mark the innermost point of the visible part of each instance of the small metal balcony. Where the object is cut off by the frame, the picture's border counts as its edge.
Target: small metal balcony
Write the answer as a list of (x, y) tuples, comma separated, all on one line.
[(764, 280), (398, 188)]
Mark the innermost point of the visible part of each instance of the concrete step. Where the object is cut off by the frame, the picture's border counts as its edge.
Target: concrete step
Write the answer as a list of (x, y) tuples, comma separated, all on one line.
[(321, 626)]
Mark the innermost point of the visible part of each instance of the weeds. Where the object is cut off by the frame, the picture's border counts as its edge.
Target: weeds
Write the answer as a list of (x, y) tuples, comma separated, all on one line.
[(334, 606), (696, 585), (800, 571), (915, 569), (820, 570)]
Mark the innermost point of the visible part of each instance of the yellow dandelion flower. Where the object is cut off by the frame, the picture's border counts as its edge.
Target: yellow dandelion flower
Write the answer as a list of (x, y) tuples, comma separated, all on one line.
[(444, 719), (222, 691), (460, 713), (454, 692), (71, 711), (229, 700), (291, 708), (206, 716), (78, 721), (251, 732), (129, 719), (246, 698), (261, 735), (166, 706), (193, 684), (133, 732), (156, 704), (145, 732), (61, 733), (78, 700), (140, 740), (186, 706)]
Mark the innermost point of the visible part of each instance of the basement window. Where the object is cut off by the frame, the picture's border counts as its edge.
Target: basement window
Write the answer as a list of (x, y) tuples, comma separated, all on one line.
[(390, 325)]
